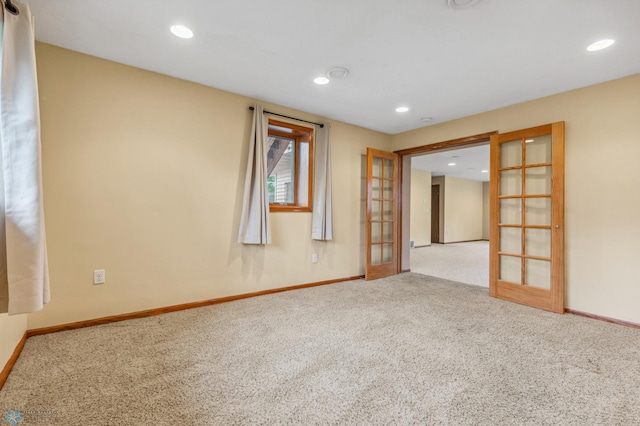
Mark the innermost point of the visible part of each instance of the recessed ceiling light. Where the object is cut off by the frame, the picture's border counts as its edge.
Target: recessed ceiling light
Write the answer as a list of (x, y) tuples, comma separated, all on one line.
[(181, 31), (402, 109), (600, 44), (529, 140), (426, 119), (338, 73), (451, 164), (321, 80), (484, 171)]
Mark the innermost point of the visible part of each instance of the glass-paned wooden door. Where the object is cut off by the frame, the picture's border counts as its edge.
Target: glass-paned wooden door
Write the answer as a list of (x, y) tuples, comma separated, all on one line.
[(382, 214), (527, 217)]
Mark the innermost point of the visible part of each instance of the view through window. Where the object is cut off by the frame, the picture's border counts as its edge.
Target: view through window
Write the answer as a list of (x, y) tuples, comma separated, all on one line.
[(289, 166)]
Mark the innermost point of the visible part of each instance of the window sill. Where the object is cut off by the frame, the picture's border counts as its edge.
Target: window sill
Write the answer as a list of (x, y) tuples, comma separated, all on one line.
[(278, 208)]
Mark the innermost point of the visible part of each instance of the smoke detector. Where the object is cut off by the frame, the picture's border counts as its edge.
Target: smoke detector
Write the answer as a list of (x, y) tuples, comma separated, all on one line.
[(338, 73), (462, 4)]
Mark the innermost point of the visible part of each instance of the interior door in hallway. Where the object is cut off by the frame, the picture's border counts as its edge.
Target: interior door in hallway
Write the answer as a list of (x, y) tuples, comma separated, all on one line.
[(527, 217), (435, 214), (382, 257)]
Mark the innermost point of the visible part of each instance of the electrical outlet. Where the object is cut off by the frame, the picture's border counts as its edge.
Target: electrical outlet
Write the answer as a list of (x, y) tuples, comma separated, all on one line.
[(99, 276), (314, 258)]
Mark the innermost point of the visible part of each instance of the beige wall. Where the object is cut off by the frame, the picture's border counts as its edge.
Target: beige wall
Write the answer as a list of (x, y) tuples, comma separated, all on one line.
[(420, 207), (462, 210), (486, 186), (143, 176), (405, 261), (461, 214), (602, 150), (12, 328)]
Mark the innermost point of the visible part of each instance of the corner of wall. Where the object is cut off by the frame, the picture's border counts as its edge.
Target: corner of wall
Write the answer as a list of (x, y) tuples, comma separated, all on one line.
[(12, 329)]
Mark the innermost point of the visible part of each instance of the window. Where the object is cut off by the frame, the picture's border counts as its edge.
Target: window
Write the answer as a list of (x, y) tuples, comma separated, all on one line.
[(289, 166)]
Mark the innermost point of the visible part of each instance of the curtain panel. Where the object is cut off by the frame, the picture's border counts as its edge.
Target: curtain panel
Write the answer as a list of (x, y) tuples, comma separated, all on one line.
[(254, 220), (24, 278), (322, 221)]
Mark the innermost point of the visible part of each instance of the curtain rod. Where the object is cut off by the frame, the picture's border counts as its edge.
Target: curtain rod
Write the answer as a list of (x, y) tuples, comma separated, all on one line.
[(292, 118)]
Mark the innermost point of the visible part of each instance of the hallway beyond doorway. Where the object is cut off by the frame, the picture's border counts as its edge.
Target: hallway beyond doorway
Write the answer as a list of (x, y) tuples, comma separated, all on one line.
[(463, 262)]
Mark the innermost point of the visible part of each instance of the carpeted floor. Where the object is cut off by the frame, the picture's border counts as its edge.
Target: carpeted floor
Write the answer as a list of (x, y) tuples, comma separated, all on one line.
[(463, 262), (408, 349)]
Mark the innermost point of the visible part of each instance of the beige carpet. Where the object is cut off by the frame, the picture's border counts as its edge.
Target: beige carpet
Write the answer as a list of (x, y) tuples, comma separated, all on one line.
[(403, 350), (463, 262)]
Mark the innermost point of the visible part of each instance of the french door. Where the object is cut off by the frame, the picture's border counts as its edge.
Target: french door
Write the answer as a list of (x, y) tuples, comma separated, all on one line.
[(382, 214), (527, 217)]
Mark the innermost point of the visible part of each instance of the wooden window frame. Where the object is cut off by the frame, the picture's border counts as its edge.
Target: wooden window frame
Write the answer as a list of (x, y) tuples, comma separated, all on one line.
[(299, 134)]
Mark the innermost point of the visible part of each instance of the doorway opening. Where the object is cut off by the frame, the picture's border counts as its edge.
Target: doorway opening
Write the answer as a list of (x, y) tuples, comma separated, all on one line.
[(449, 214), (443, 241)]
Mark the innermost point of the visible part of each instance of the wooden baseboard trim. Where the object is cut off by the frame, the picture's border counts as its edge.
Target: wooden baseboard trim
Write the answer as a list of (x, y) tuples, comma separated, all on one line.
[(12, 360), (405, 270), (601, 318), (175, 308), (465, 241)]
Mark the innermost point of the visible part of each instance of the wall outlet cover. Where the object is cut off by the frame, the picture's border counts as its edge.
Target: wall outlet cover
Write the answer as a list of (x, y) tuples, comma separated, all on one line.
[(99, 276)]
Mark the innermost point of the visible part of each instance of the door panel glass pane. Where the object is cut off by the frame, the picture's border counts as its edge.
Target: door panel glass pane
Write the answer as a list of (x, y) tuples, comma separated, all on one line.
[(511, 182), (511, 154), (387, 213), (538, 211), (376, 235), (511, 240), (388, 189), (376, 169), (537, 273), (511, 269), (387, 231), (538, 180), (387, 253), (388, 168), (538, 149), (376, 254), (538, 242), (510, 212), (375, 188), (376, 210)]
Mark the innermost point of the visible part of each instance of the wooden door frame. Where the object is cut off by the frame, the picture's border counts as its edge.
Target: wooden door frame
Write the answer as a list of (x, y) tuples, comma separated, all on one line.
[(466, 142)]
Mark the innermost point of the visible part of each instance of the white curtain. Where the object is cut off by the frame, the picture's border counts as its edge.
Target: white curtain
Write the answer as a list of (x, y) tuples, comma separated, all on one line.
[(322, 223), (24, 279), (254, 221)]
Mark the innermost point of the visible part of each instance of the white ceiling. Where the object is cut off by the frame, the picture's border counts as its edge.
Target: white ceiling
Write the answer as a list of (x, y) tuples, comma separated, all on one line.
[(469, 163), (440, 62)]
